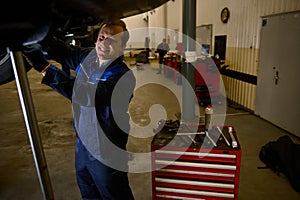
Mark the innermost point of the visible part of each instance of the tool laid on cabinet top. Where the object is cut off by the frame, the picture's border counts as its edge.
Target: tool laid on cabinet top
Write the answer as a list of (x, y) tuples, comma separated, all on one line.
[(183, 135), (223, 136), (234, 143)]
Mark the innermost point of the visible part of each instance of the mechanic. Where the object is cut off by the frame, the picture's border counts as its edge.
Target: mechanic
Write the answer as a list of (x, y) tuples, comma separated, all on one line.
[(100, 92), (162, 49)]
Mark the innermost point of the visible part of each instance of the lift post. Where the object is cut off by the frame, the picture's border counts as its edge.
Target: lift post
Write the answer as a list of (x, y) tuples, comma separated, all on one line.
[(188, 70), (31, 123)]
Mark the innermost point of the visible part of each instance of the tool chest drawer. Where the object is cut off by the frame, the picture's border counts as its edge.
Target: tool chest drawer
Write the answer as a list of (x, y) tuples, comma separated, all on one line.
[(191, 166)]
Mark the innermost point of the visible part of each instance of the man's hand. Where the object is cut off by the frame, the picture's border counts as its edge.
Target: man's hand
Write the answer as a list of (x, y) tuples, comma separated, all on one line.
[(35, 54)]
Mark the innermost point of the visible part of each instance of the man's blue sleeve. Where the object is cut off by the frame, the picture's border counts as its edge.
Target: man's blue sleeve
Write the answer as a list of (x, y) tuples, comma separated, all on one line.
[(59, 81)]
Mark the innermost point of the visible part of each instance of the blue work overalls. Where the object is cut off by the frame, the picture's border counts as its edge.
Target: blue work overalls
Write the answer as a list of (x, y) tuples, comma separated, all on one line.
[(99, 138)]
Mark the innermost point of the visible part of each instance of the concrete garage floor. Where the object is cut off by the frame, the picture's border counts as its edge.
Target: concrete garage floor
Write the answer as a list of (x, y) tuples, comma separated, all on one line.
[(18, 177)]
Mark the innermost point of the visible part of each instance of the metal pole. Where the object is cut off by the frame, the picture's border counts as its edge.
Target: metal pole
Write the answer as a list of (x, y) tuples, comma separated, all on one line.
[(188, 71), (31, 123)]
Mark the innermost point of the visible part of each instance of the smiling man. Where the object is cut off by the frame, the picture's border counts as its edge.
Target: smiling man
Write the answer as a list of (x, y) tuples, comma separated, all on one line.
[(111, 40), (100, 117)]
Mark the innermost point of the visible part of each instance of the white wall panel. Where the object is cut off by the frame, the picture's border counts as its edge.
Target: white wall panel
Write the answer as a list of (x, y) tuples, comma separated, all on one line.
[(174, 15), (243, 41), (242, 30)]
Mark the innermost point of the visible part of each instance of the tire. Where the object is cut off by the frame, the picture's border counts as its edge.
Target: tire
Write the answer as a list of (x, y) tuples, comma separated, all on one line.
[(6, 70)]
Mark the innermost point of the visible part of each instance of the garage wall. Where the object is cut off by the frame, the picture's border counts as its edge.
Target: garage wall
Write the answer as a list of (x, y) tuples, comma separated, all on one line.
[(242, 30), (135, 24), (147, 24), (208, 12), (243, 37)]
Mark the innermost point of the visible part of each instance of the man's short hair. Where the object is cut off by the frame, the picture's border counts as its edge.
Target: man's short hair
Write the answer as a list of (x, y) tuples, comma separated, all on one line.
[(117, 22)]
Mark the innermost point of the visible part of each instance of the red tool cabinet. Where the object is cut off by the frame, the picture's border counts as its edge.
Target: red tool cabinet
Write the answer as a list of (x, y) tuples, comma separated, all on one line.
[(207, 82), (207, 78), (207, 75), (182, 169)]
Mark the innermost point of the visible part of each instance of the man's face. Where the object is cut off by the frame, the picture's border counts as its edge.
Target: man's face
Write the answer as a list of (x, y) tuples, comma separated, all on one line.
[(109, 42)]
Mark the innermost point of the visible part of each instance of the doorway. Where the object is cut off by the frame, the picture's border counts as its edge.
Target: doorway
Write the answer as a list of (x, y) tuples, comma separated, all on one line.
[(220, 46), (278, 86)]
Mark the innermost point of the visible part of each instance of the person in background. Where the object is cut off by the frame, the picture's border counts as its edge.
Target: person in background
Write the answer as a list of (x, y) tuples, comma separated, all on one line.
[(162, 49), (100, 108), (147, 48)]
